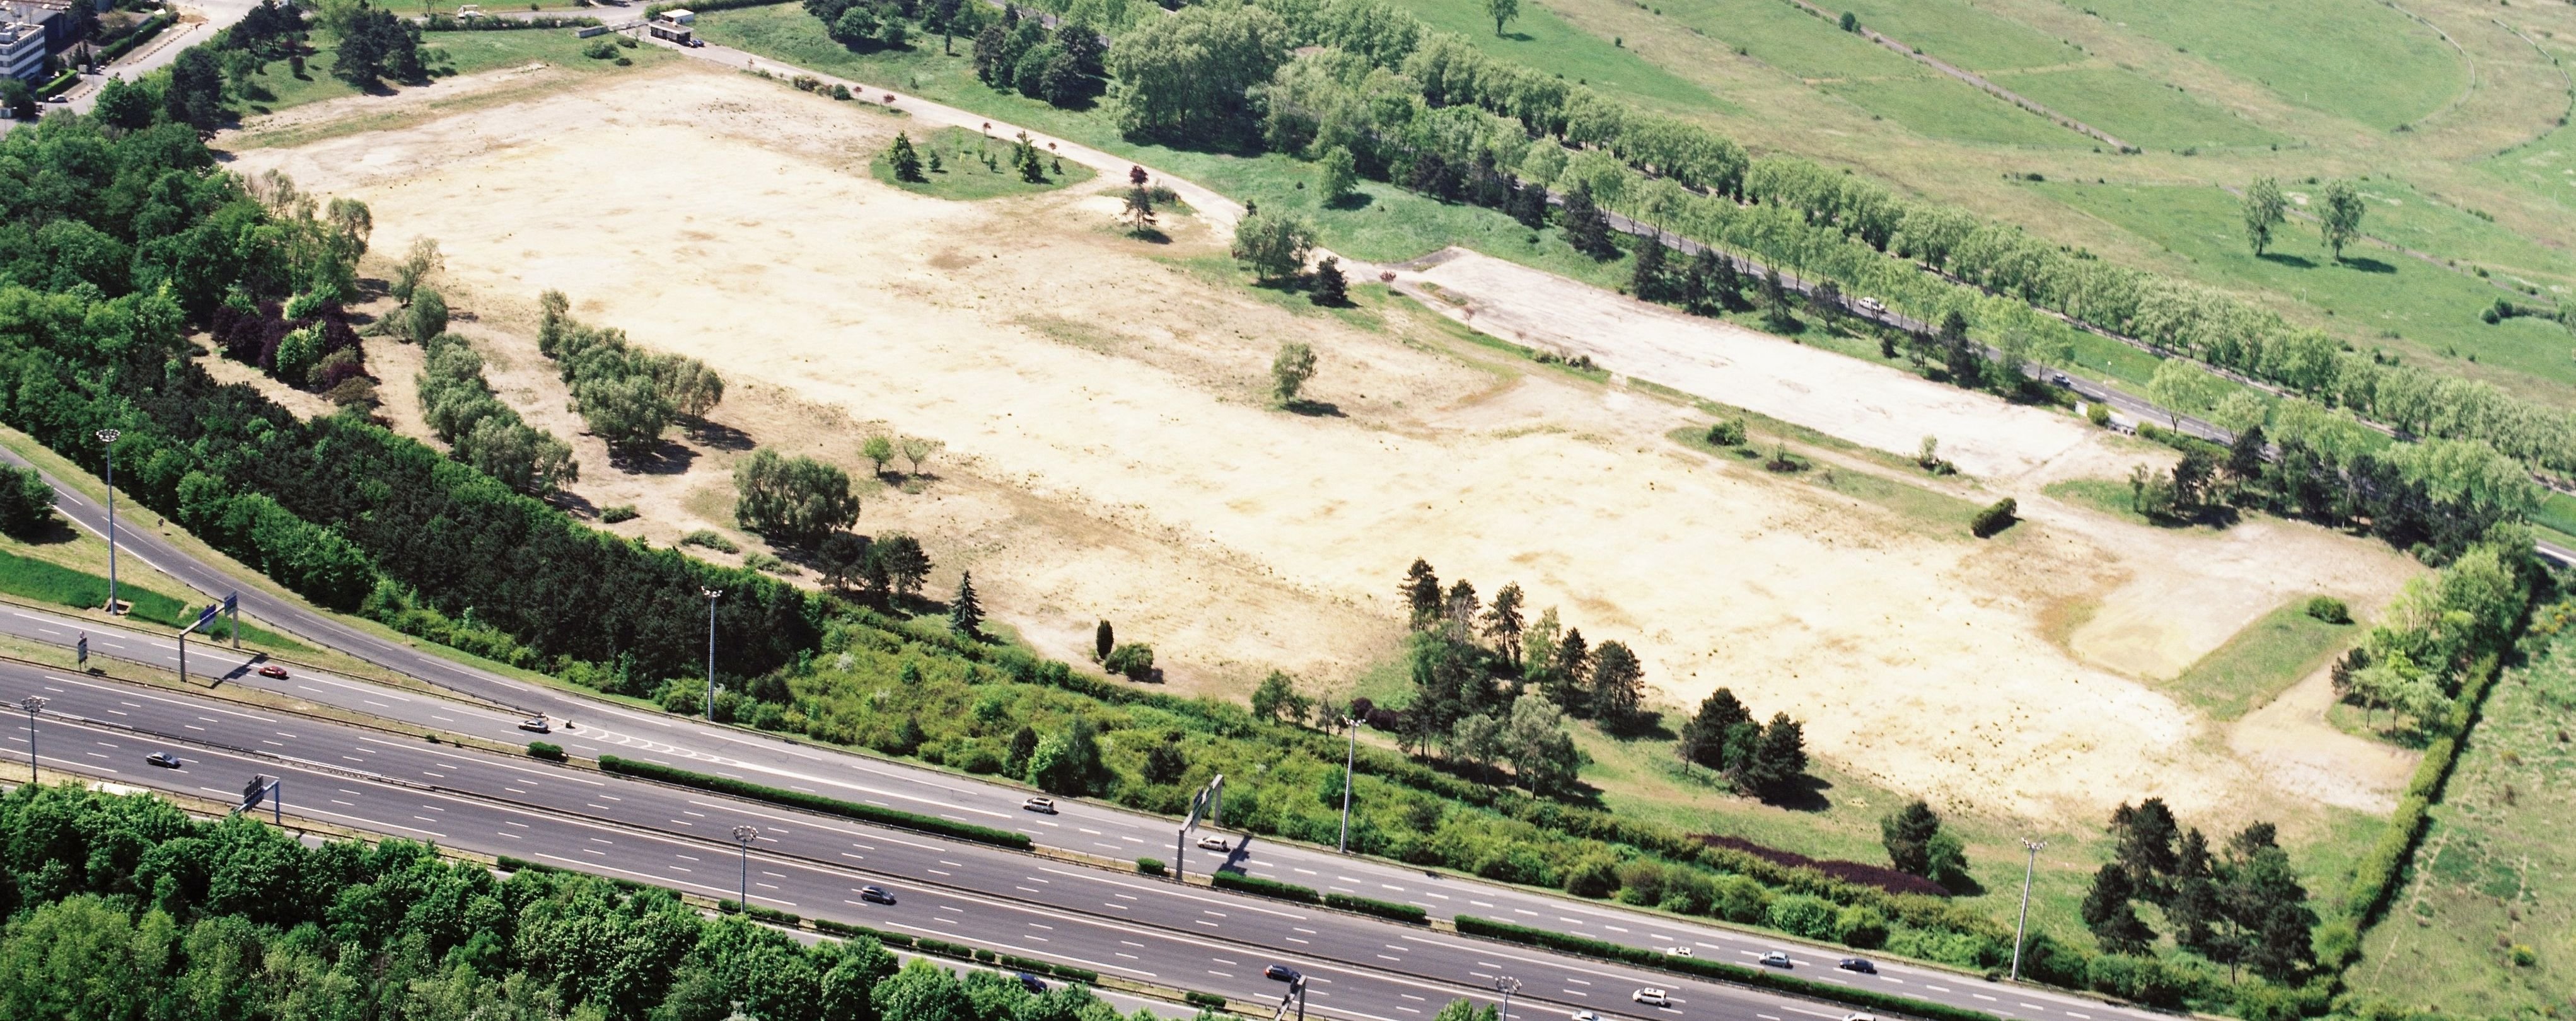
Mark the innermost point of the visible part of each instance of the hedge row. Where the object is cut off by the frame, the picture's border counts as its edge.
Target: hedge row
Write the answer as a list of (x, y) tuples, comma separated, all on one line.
[(817, 803), (1256, 885), (142, 33), (703, 6), (943, 948), (1761, 978), (772, 916), (1382, 909), (2379, 870), (451, 23)]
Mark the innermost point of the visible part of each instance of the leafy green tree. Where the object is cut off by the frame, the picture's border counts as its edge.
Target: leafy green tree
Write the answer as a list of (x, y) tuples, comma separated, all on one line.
[(1139, 211), (1103, 639), (123, 105), (418, 264), (2339, 215), (2143, 844), (1341, 178), (1068, 761), (966, 612), (1277, 700), (1290, 369), (841, 557), (905, 162), (1907, 835), (2183, 388), (917, 450), (1187, 75), (1134, 660), (923, 991), (898, 558), (1502, 12), (1777, 312), (795, 500), (26, 503), (1703, 738), (2264, 210), (194, 95), (879, 450), (1273, 247), (427, 316), (629, 413), (1542, 754)]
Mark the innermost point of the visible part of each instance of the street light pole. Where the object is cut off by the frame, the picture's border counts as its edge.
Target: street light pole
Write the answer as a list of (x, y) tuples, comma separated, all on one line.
[(109, 436), (33, 704), (744, 835), (2019, 927), (712, 595), (1350, 758), (1506, 985)]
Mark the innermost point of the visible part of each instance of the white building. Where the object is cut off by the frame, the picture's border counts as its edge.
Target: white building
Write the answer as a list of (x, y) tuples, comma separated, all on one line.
[(22, 51)]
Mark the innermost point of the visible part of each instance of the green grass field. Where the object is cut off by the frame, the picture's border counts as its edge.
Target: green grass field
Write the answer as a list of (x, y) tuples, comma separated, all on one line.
[(2352, 58), (466, 53), (1960, 34), (43, 581), (2494, 870), (2376, 297), (1540, 38), (2138, 110), (2545, 167), (2267, 656), (963, 174)]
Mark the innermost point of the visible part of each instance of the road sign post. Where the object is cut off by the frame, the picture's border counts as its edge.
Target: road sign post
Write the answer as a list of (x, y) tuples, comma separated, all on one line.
[(273, 790), (109, 436), (33, 704), (80, 649), (232, 606)]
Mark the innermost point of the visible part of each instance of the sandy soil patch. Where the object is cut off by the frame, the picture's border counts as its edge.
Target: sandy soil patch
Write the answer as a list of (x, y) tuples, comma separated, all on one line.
[(2289, 741), (1111, 451)]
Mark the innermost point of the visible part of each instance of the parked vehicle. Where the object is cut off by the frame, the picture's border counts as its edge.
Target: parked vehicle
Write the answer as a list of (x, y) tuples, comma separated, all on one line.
[(1652, 997), (875, 895), (1776, 959), (1859, 964), (273, 670), (1041, 805), (164, 760), (1858, 1016), (1280, 973)]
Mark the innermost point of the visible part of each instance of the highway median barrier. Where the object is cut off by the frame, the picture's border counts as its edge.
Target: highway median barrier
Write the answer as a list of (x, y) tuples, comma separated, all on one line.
[(1759, 978), (1240, 883), (1389, 910), (897, 818)]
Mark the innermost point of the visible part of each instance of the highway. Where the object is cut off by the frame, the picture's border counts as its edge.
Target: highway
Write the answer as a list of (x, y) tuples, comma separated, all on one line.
[(1111, 921), (588, 727)]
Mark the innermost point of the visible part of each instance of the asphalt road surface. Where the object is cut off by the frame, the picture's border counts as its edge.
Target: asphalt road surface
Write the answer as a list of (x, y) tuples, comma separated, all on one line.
[(1114, 922)]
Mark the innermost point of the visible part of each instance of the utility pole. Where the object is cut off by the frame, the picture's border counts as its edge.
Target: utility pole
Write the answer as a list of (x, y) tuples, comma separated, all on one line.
[(712, 595), (2019, 927), (1506, 985), (108, 436), (744, 835), (1350, 758), (33, 704)]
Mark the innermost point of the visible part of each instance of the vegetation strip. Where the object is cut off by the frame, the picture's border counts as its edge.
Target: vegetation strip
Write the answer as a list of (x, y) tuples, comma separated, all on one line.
[(1241, 883), (817, 803), (1473, 926)]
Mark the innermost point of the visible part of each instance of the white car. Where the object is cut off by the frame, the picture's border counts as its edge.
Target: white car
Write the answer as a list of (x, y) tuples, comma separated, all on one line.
[(1652, 997), (1858, 1016), (1872, 304), (1677, 951), (1215, 844), (1583, 1015), (1041, 805)]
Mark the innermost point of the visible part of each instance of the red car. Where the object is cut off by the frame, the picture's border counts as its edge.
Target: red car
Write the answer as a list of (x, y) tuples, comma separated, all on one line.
[(273, 670)]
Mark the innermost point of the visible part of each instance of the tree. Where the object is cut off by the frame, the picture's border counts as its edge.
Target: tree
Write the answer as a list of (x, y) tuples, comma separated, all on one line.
[(1502, 11), (2339, 215), (19, 100), (1273, 247), (427, 316), (917, 450), (842, 558), (1139, 211), (2182, 388), (1703, 738), (1331, 289), (1341, 176), (1290, 369), (1422, 593), (26, 502), (1907, 835), (966, 613), (943, 18), (1502, 623), (1648, 279), (1166, 761), (1543, 755), (1103, 639), (1068, 761), (1135, 660), (630, 413), (1187, 75), (1568, 671), (1826, 298), (415, 268), (905, 163), (1776, 760), (923, 991), (879, 450), (1618, 686), (2112, 918), (795, 500), (1277, 700), (1586, 229), (195, 93), (2143, 844), (901, 562), (1776, 311), (123, 105), (1025, 157), (2264, 211)]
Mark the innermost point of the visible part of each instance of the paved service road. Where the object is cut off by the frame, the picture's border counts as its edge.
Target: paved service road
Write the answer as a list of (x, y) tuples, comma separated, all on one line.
[(1111, 921)]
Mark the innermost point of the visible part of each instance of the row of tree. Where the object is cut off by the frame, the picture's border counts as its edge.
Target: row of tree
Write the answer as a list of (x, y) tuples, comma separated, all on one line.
[(627, 396), (1066, 67), (1767, 760), (462, 410), (2240, 905)]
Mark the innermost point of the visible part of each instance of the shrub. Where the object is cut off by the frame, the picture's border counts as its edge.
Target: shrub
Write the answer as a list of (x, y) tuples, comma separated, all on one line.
[(1382, 909), (1149, 866), (546, 750), (1862, 927), (600, 49), (841, 92), (2098, 414), (2330, 610), (1995, 518), (1729, 433), (620, 512), (1803, 915), (1134, 660), (26, 502), (1596, 876), (1209, 1001), (708, 538)]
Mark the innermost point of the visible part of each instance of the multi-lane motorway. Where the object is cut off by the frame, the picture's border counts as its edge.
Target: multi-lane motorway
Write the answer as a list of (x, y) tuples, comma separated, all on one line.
[(588, 728)]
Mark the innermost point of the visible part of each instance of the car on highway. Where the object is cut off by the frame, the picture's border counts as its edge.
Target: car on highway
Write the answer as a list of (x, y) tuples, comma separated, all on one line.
[(1677, 951), (273, 670), (1652, 997), (1583, 1015), (1776, 959), (1044, 806), (1279, 973), (1215, 844), (1858, 1016), (1859, 964), (875, 895), (536, 725), (1032, 983), (164, 760), (1872, 305)]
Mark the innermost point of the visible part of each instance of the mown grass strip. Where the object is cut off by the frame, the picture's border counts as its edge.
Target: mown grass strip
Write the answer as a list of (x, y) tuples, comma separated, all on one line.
[(1473, 926), (898, 818)]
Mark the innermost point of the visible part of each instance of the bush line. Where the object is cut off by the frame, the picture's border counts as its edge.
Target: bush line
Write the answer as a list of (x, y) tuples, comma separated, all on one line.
[(818, 803), (1256, 885), (1471, 925), (2378, 871)]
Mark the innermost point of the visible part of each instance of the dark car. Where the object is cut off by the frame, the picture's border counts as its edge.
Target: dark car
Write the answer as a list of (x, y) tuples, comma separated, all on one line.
[(1859, 964), (1280, 972), (875, 895), (273, 670), (164, 760), (1032, 983)]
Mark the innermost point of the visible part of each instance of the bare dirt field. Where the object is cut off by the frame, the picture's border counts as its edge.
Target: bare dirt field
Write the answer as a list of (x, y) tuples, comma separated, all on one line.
[(1112, 453)]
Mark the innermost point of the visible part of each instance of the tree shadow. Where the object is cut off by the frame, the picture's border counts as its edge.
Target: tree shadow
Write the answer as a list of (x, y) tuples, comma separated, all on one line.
[(2367, 264), (1149, 235), (1806, 793), (1965, 886), (1519, 37), (55, 531), (1314, 409), (1352, 202), (666, 458), (2286, 259), (720, 436), (574, 504)]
